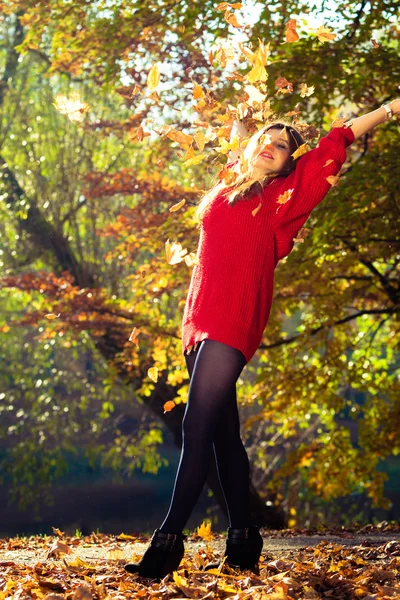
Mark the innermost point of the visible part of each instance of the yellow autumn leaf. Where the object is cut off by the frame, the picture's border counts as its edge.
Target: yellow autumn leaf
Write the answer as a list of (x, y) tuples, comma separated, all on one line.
[(333, 180), (134, 335), (52, 316), (199, 138), (226, 146), (257, 73), (192, 259), (300, 151), (153, 374), (306, 91), (204, 531), (72, 107), (169, 406), (324, 34), (196, 160), (5, 328), (177, 206), (153, 78), (174, 252)]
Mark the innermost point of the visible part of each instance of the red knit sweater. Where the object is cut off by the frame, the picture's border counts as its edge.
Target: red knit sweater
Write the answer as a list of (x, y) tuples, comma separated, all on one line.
[(230, 293)]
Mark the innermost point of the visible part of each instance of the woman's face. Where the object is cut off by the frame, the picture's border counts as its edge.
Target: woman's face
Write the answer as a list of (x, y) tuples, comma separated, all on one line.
[(271, 153)]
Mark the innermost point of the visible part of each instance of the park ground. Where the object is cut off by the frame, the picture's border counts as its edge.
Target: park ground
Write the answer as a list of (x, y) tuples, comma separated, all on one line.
[(360, 562)]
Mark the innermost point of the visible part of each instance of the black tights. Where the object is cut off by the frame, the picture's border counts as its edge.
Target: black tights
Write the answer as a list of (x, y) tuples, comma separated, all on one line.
[(211, 423)]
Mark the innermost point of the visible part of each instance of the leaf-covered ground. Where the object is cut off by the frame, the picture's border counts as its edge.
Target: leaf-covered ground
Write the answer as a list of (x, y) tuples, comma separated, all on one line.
[(360, 563)]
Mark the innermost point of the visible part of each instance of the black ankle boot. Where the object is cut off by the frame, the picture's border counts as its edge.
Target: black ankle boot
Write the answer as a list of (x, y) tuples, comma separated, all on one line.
[(163, 556), (243, 549)]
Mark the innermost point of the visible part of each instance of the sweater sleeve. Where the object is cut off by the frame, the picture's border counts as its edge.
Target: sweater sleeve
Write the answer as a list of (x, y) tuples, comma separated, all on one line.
[(307, 185)]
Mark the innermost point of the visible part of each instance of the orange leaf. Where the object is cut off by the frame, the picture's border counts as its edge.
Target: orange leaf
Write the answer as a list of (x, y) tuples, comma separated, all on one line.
[(255, 211), (177, 206), (232, 20), (198, 92), (339, 122), (291, 33), (328, 162), (300, 151), (52, 316), (134, 335), (169, 406), (285, 197), (375, 43), (333, 180)]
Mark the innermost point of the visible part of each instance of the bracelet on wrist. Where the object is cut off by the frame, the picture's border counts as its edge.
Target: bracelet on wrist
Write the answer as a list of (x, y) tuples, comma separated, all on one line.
[(388, 109)]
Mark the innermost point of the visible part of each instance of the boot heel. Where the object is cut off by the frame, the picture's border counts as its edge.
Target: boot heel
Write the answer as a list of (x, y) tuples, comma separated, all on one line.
[(163, 556), (243, 549)]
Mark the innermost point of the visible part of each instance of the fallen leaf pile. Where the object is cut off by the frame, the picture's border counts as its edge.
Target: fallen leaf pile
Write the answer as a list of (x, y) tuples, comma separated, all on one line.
[(91, 567)]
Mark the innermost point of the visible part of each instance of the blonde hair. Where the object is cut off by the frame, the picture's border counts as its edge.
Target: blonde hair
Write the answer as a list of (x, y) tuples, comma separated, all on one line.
[(245, 185)]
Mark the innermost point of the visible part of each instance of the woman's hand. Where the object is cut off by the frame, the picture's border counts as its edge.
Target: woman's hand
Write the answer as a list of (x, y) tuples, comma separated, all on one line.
[(361, 125), (395, 106)]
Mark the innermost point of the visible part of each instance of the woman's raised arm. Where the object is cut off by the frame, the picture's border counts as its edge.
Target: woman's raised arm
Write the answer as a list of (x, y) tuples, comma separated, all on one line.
[(361, 125)]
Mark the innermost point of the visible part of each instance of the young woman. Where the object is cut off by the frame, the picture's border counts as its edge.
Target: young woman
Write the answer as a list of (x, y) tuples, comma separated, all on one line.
[(246, 227)]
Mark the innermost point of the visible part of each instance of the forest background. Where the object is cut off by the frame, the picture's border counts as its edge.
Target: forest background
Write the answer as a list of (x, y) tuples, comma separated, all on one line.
[(114, 117)]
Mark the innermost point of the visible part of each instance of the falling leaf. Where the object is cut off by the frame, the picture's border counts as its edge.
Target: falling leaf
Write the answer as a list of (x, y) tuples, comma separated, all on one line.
[(300, 151), (291, 33), (303, 233), (284, 86), (174, 252), (196, 160), (198, 92), (333, 180), (153, 78), (160, 163), (57, 548), (232, 20), (375, 43), (58, 532), (328, 162), (184, 140), (255, 211), (285, 197), (200, 140), (52, 316), (225, 5), (177, 206), (134, 335), (153, 374), (254, 94), (339, 122), (72, 107), (169, 406), (192, 259), (324, 34), (305, 90), (204, 531)]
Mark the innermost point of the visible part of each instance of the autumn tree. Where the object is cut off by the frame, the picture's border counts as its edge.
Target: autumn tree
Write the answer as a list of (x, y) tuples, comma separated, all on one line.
[(99, 229)]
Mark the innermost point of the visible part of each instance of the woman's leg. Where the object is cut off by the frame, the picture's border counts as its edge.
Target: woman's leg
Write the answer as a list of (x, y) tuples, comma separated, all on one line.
[(231, 458), (214, 375), (233, 466)]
